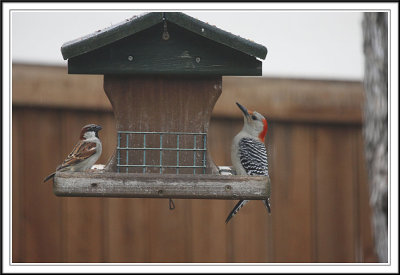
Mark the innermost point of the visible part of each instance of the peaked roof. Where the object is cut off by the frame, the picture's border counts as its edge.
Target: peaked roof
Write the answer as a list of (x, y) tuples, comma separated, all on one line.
[(138, 23)]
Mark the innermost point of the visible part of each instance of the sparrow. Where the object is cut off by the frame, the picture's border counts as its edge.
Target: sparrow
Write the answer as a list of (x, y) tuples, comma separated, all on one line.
[(85, 153)]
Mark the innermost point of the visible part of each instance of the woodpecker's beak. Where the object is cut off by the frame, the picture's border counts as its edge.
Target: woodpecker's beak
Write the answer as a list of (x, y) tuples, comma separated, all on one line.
[(244, 110)]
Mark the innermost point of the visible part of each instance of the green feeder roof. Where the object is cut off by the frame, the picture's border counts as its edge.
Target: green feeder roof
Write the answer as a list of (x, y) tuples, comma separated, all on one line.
[(163, 43)]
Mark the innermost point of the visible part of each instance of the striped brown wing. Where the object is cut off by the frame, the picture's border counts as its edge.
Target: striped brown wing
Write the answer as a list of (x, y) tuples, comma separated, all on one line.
[(81, 151)]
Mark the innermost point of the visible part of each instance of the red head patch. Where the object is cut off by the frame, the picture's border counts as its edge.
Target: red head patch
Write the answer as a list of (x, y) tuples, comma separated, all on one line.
[(261, 136)]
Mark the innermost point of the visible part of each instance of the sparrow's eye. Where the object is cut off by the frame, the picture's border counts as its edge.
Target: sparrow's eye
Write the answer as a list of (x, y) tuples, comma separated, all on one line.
[(253, 117)]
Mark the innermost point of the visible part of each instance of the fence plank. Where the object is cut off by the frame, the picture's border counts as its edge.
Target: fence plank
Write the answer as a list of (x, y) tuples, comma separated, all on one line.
[(218, 238), (52, 86), (169, 232), (145, 230), (335, 213), (278, 99), (83, 218), (41, 210), (209, 233), (249, 233), (291, 194), (293, 99), (128, 230), (17, 188)]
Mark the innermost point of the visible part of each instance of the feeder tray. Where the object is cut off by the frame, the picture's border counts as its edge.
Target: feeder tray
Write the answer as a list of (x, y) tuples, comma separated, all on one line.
[(136, 185), (163, 75)]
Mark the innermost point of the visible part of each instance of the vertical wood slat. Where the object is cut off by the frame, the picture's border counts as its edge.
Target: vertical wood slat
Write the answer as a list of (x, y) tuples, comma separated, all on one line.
[(41, 215), (335, 218), (213, 241), (145, 230), (17, 199), (249, 233), (40, 219), (291, 205), (84, 218), (254, 221), (198, 208), (208, 215), (128, 230), (163, 104), (209, 232), (168, 232)]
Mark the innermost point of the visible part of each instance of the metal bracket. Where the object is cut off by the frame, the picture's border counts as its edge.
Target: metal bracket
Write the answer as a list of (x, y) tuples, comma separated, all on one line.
[(165, 34)]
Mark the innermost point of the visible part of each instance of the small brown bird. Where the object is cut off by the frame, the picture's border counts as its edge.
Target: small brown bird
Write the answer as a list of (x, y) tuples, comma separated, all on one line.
[(85, 153)]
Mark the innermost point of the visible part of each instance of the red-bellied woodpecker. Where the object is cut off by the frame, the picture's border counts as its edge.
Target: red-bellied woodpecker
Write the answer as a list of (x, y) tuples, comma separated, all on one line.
[(248, 154)]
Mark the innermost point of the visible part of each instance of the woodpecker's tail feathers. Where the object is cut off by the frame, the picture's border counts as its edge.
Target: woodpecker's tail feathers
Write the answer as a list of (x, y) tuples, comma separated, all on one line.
[(236, 209), (49, 177), (267, 205)]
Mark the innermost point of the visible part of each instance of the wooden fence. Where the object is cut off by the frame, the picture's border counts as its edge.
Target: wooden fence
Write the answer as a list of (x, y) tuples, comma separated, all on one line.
[(320, 210)]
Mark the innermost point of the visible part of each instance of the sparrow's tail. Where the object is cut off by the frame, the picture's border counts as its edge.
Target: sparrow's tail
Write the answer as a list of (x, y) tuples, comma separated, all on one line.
[(267, 205), (49, 177), (236, 209)]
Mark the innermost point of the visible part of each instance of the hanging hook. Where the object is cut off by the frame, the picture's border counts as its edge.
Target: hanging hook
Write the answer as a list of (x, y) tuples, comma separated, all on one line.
[(165, 34), (171, 204)]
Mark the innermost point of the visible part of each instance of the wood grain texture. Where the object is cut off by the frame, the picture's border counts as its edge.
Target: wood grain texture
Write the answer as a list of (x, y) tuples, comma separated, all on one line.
[(292, 192), (170, 232), (220, 134), (249, 236), (163, 104), (125, 222), (17, 189), (335, 208), (278, 99), (84, 218), (52, 87), (293, 99), (209, 242), (128, 230), (136, 185), (39, 206), (253, 220), (145, 230)]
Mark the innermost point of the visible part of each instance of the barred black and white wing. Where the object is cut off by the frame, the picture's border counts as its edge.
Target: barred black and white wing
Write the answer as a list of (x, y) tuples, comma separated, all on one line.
[(253, 156)]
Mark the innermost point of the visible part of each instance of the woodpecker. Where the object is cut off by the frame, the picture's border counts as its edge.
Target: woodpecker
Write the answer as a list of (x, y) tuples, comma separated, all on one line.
[(248, 153)]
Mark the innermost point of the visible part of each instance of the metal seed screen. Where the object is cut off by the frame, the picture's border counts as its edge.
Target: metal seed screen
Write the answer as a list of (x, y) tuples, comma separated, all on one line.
[(161, 152)]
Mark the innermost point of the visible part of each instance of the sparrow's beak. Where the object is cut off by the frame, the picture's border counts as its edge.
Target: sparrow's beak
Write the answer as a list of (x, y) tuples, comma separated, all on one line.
[(244, 110), (98, 128)]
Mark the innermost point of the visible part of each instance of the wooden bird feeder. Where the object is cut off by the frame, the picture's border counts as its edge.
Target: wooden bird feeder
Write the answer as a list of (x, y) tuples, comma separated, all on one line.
[(163, 75)]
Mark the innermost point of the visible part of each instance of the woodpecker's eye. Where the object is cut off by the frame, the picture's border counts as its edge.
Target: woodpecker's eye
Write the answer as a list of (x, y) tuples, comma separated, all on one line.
[(253, 117)]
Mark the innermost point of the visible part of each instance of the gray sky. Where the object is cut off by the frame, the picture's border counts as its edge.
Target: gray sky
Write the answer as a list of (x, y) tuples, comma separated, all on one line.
[(321, 44)]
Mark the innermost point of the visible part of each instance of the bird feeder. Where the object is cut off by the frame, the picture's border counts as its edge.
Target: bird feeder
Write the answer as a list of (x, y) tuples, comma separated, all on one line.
[(163, 75)]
